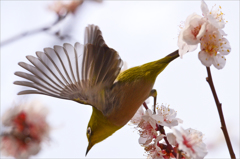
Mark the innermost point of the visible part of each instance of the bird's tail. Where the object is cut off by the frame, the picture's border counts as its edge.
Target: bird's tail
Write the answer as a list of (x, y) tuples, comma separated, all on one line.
[(156, 67), (170, 57)]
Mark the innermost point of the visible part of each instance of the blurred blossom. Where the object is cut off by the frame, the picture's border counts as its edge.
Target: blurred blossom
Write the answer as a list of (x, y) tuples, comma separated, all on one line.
[(63, 7), (172, 139), (190, 141), (27, 129), (218, 140), (207, 31)]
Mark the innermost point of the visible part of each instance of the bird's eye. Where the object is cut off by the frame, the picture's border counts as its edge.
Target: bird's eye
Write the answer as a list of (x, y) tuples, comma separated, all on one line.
[(88, 130)]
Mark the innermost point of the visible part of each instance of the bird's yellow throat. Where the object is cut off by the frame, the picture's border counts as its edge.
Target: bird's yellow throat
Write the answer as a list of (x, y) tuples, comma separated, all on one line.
[(99, 121)]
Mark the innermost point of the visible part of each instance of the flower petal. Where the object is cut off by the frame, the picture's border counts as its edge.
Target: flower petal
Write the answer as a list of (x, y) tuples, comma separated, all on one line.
[(192, 47), (202, 31), (215, 22), (138, 116), (191, 30), (158, 118), (225, 47), (222, 32), (190, 142), (142, 140), (219, 61), (168, 124), (205, 58), (204, 8), (190, 17), (171, 139), (183, 47), (188, 37)]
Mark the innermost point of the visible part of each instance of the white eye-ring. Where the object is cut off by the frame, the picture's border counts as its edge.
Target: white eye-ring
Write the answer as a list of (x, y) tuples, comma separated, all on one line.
[(88, 130)]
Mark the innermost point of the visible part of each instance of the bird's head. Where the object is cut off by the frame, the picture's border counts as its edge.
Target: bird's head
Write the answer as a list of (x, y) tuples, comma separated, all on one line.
[(99, 128)]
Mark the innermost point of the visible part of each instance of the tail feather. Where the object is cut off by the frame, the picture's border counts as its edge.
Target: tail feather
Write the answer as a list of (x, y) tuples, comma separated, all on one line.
[(172, 56)]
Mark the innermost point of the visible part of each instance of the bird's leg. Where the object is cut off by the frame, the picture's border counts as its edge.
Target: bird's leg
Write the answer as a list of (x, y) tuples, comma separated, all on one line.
[(153, 93), (145, 105)]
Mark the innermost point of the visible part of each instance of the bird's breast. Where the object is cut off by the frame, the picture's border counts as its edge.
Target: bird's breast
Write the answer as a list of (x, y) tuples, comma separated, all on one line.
[(128, 97)]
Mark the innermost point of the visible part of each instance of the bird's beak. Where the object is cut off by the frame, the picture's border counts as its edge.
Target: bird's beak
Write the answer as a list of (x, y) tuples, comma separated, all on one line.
[(88, 148)]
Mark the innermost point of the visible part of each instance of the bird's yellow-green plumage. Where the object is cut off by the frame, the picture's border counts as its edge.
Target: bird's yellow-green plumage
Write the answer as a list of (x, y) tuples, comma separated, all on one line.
[(90, 74), (134, 86), (98, 122), (149, 70)]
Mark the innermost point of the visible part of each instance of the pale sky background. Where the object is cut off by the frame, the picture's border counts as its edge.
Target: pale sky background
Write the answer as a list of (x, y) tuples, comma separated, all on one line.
[(141, 31)]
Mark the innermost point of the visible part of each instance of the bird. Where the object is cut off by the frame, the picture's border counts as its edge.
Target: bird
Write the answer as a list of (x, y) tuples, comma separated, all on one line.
[(90, 74)]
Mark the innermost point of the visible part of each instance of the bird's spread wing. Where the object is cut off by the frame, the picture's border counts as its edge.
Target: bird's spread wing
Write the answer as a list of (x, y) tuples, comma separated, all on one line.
[(81, 72)]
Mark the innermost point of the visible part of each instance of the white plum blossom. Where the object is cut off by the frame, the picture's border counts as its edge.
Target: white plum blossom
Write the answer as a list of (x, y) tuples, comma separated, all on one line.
[(183, 46), (214, 17), (166, 117), (190, 35), (27, 129), (147, 133), (146, 125), (187, 143), (208, 32), (213, 48), (194, 29), (190, 142), (147, 128), (149, 117)]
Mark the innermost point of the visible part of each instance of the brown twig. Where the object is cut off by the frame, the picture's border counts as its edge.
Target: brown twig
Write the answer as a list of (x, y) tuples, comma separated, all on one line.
[(169, 146), (145, 105), (70, 7), (34, 31), (220, 112)]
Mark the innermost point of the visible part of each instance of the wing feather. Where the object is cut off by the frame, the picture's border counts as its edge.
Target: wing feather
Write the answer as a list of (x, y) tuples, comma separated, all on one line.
[(36, 92), (38, 65), (42, 57), (59, 50), (76, 60), (34, 79), (44, 89), (51, 54), (83, 73)]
